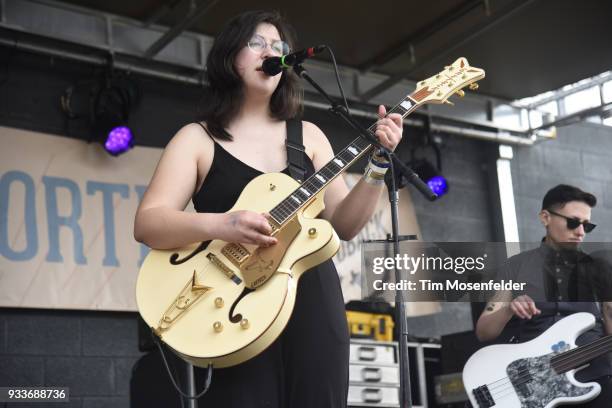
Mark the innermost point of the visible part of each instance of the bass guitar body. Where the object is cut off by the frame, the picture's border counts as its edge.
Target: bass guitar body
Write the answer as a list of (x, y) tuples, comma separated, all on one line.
[(535, 374)]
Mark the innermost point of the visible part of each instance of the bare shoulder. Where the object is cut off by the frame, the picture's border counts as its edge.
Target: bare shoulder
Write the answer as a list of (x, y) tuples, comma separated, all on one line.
[(316, 141), (312, 133), (191, 137)]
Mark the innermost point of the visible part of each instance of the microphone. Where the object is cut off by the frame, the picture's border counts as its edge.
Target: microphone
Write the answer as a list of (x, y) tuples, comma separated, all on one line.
[(274, 65)]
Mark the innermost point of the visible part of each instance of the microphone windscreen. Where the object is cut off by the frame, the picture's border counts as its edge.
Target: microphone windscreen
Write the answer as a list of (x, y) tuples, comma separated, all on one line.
[(272, 66)]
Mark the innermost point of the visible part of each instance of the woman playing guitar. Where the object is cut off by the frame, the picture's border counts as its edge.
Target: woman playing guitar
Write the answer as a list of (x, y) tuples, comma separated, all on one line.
[(242, 135)]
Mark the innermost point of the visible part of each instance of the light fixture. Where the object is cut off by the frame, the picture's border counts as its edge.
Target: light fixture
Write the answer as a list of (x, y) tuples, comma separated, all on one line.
[(105, 104), (431, 175), (112, 102)]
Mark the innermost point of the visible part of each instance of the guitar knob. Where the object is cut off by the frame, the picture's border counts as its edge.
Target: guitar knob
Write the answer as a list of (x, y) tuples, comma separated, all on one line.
[(244, 324), (312, 232), (460, 93), (474, 86), (219, 302), (218, 327)]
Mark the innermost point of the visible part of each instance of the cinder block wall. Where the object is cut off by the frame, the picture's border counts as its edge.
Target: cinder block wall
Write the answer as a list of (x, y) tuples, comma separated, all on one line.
[(92, 353)]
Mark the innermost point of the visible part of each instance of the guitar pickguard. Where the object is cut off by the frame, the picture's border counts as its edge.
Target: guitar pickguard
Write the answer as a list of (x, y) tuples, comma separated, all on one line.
[(537, 383)]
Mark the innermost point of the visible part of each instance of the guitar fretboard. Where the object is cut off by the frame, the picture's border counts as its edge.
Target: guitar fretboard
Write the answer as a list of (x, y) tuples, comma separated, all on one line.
[(581, 355), (306, 192)]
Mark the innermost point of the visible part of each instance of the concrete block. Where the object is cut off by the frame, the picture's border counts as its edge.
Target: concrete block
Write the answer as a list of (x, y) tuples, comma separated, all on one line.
[(43, 333), (110, 335), (21, 371), (123, 375), (86, 376)]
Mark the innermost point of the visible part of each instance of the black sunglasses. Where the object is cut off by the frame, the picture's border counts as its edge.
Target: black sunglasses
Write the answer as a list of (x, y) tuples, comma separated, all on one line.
[(573, 223)]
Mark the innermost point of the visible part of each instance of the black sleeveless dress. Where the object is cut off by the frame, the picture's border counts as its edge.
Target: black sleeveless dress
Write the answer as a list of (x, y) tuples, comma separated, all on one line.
[(307, 366)]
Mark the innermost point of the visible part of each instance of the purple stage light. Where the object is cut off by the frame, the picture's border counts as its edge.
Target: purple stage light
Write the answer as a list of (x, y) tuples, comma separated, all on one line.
[(438, 185), (119, 140)]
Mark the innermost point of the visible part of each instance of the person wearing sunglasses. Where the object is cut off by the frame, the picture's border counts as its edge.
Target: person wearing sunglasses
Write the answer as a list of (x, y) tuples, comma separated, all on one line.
[(561, 280), (242, 134)]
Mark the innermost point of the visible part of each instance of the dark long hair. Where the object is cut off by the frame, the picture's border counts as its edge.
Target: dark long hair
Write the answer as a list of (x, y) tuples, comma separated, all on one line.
[(224, 94)]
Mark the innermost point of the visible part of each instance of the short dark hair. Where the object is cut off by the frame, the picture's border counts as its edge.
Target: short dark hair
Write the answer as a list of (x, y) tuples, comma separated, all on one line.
[(562, 194), (224, 93)]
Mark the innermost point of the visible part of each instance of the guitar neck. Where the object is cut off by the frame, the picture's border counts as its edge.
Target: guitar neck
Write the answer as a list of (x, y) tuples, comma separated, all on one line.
[(581, 355), (302, 196)]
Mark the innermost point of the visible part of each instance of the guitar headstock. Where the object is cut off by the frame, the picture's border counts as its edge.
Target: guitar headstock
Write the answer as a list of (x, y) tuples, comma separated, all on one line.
[(440, 87)]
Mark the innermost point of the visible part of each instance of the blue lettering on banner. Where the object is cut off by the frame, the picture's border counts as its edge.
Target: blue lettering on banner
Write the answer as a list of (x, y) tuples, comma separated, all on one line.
[(55, 189), (144, 250), (29, 209), (108, 189), (55, 220)]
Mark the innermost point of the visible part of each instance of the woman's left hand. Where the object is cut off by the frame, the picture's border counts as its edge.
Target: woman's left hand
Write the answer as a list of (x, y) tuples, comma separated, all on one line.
[(388, 129)]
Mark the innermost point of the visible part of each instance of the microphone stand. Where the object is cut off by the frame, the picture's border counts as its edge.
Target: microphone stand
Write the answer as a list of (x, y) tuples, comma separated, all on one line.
[(413, 178)]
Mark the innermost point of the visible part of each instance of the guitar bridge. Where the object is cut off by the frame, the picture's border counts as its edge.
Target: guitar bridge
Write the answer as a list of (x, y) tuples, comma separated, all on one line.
[(483, 397), (236, 253)]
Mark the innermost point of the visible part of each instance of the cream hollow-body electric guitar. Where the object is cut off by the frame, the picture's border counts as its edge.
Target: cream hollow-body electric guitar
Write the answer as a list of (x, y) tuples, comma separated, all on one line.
[(538, 373), (222, 303)]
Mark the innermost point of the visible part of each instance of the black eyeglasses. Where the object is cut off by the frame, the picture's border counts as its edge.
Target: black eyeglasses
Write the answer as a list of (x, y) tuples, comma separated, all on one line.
[(573, 223)]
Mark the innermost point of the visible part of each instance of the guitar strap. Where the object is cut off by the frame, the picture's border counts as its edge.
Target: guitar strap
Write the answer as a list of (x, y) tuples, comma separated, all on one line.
[(295, 150)]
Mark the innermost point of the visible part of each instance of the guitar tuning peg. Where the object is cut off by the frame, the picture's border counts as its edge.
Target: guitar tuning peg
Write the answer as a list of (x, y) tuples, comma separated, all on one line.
[(447, 102), (474, 86), (460, 93)]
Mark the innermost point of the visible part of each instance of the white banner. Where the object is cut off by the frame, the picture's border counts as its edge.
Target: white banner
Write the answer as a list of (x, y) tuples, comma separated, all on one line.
[(66, 220)]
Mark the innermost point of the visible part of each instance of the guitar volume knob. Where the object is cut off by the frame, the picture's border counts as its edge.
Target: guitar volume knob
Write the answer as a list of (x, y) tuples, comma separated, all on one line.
[(312, 232)]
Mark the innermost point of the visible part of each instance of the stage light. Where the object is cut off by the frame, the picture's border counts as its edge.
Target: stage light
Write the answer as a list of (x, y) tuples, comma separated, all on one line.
[(113, 101), (430, 175), (119, 140), (438, 185)]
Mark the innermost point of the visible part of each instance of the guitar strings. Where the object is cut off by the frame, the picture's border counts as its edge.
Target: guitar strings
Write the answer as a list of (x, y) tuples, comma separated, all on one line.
[(285, 206)]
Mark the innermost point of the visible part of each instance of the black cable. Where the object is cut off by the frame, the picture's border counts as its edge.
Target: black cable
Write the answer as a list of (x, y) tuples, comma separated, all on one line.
[(184, 394), (331, 53)]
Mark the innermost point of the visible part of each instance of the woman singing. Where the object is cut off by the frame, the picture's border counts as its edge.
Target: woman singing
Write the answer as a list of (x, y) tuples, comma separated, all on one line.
[(242, 135)]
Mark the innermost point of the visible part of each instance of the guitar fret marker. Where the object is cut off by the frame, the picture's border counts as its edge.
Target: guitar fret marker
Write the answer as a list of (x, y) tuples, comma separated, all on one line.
[(352, 150), (303, 190), (339, 162), (296, 200), (407, 104), (320, 178)]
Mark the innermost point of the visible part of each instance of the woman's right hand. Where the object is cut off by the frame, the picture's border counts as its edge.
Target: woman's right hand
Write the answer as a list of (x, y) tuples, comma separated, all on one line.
[(245, 227)]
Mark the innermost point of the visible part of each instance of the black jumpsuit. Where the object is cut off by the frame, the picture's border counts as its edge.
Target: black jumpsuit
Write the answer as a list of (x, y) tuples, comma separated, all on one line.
[(307, 366)]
